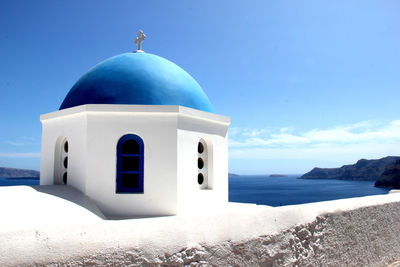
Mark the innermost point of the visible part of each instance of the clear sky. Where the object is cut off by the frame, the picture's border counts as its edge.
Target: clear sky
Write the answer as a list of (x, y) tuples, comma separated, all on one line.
[(306, 83)]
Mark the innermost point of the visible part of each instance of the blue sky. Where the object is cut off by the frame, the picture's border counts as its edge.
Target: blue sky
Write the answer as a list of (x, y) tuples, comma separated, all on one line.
[(306, 83)]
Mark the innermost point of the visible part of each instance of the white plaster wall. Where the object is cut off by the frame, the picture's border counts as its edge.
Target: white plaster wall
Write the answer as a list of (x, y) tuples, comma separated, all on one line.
[(158, 132), (191, 198), (73, 128)]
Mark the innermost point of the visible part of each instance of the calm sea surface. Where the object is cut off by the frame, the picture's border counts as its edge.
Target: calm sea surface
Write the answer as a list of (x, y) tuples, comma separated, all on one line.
[(5, 181), (273, 191), (280, 191)]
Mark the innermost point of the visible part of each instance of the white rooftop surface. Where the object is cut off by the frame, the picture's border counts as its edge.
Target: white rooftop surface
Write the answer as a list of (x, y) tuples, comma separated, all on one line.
[(117, 108), (46, 223)]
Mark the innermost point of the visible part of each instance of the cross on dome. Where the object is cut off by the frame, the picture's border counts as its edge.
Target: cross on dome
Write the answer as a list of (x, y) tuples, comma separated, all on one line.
[(139, 39)]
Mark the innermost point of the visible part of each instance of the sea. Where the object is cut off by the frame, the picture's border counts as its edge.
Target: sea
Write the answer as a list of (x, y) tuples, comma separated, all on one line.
[(11, 181), (273, 191), (290, 190)]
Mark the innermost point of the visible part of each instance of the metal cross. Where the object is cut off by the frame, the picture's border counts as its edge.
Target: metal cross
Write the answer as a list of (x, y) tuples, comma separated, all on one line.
[(139, 39)]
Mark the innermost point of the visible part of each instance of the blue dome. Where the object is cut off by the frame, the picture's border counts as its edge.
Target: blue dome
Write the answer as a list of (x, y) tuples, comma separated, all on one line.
[(137, 79)]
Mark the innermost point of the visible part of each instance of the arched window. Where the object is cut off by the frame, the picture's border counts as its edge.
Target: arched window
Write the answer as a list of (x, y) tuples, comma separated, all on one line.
[(61, 161), (130, 159), (202, 165)]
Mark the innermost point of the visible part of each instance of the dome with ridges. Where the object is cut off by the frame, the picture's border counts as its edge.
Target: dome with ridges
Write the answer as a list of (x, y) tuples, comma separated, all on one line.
[(137, 79)]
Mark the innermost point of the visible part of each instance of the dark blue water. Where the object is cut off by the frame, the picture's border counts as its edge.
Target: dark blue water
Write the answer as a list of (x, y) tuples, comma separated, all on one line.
[(273, 191), (6, 181), (280, 191)]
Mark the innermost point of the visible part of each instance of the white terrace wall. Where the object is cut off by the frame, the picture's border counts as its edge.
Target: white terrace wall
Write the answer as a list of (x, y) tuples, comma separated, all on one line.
[(351, 232)]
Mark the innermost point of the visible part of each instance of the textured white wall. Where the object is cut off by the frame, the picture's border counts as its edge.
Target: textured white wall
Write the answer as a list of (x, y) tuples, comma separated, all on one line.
[(352, 232)]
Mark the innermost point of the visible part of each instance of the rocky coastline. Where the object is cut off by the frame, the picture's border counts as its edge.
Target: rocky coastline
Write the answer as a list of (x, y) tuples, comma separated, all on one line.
[(362, 170), (390, 177), (18, 173)]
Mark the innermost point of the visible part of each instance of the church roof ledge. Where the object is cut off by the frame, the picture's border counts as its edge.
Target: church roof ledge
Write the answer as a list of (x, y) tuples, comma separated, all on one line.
[(167, 109)]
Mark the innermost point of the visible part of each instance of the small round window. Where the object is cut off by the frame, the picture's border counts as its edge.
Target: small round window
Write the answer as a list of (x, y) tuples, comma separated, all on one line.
[(200, 148), (66, 147), (65, 178), (200, 163), (200, 178), (66, 162)]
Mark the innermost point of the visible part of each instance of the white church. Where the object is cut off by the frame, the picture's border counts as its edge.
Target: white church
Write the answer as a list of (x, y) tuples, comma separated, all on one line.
[(138, 136)]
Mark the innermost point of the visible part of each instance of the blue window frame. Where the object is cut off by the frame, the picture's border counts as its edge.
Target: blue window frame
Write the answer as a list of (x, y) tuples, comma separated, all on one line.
[(130, 149)]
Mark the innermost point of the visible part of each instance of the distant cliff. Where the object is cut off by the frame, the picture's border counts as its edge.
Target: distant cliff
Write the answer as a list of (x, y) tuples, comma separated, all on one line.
[(363, 170), (390, 177), (10, 172)]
